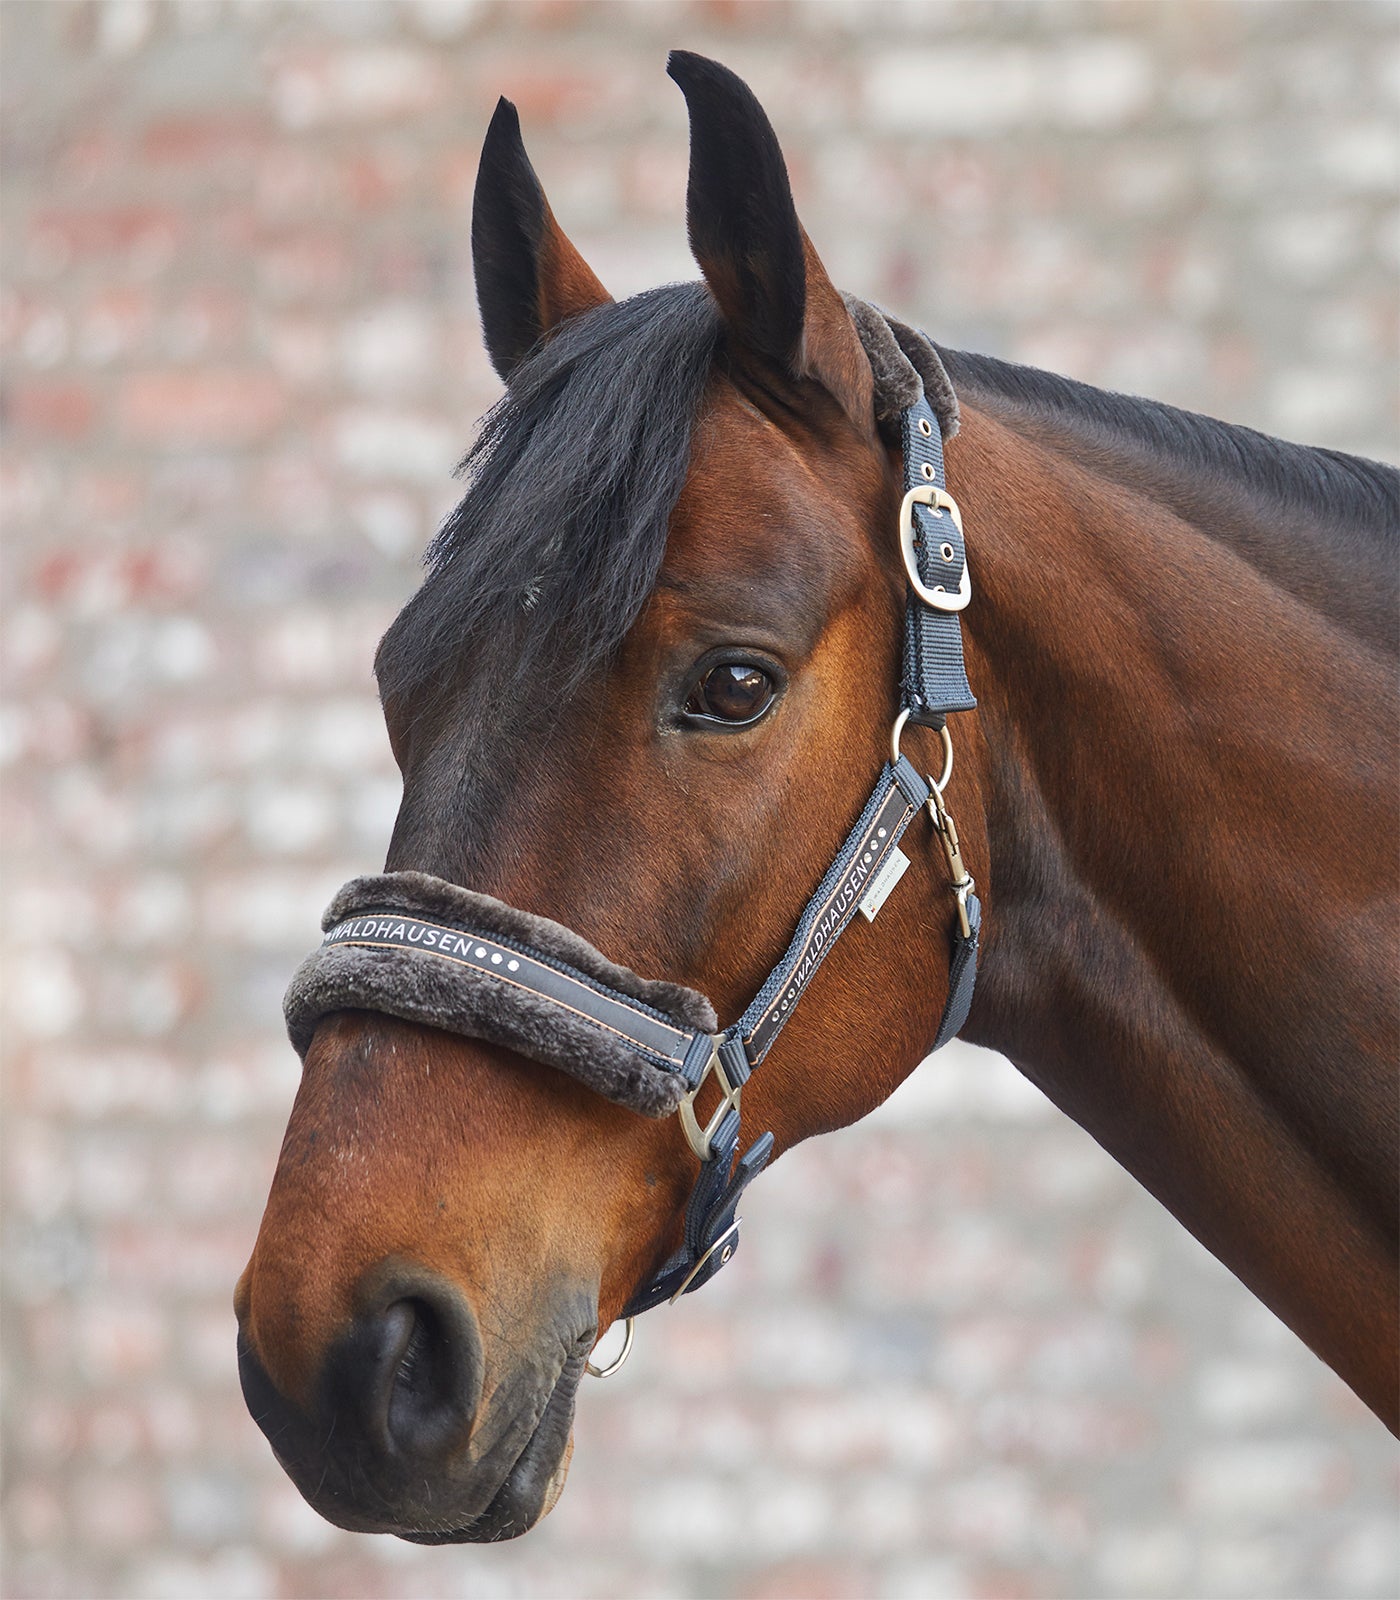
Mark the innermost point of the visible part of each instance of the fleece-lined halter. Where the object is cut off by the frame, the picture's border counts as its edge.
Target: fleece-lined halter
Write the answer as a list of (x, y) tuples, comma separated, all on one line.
[(417, 947)]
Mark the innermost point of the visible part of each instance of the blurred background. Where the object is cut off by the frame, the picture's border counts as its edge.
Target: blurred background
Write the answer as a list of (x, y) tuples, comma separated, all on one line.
[(961, 1354)]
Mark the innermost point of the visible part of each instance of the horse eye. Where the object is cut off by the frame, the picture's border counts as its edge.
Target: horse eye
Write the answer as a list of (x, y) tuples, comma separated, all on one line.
[(735, 692)]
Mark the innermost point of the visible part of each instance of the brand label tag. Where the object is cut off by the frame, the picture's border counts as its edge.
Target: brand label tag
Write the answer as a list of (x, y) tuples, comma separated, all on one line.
[(895, 866)]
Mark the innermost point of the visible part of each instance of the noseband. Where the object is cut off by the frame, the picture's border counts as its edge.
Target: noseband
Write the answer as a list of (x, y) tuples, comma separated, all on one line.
[(417, 947)]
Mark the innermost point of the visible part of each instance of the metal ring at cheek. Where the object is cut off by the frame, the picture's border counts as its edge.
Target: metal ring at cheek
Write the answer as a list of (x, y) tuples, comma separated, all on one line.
[(617, 1365), (946, 737)]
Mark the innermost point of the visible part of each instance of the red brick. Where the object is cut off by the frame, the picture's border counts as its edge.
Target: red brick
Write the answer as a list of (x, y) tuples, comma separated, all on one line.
[(147, 231), (58, 409), (229, 406), (201, 141)]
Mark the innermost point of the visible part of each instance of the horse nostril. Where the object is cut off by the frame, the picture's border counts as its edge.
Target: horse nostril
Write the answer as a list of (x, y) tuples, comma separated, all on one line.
[(428, 1403), (411, 1370)]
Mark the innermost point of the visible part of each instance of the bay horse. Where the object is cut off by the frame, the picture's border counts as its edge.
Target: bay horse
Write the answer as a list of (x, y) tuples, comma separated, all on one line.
[(642, 691)]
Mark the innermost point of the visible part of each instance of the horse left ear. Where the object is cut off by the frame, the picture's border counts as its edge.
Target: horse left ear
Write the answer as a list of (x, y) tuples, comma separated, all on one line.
[(529, 276), (779, 307)]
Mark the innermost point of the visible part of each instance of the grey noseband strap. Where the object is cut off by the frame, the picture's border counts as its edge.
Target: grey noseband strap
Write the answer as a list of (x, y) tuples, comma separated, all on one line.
[(420, 948)]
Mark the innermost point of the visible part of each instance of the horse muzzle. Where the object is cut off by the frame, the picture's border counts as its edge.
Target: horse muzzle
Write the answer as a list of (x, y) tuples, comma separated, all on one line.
[(399, 1434)]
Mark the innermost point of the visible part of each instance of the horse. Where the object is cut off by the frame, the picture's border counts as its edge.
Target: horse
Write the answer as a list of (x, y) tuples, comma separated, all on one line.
[(639, 698)]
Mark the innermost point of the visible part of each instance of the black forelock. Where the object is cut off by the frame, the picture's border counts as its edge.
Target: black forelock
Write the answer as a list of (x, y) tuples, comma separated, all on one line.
[(538, 573)]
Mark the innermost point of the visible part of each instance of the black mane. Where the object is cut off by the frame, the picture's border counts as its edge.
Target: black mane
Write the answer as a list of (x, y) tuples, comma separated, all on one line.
[(541, 569), (1345, 491), (1318, 524)]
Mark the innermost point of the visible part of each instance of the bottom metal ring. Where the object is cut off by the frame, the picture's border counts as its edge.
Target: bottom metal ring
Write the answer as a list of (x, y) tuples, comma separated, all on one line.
[(615, 1366)]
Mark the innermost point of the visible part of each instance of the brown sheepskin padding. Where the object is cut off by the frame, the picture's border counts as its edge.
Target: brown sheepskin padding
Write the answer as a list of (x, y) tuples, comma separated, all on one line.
[(902, 360), (420, 987)]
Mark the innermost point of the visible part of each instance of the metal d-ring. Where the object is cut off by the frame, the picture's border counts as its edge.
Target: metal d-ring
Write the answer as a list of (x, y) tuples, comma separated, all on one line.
[(615, 1366), (947, 738)]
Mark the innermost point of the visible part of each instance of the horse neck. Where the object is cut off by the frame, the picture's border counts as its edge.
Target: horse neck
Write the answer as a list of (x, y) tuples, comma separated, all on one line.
[(1187, 818)]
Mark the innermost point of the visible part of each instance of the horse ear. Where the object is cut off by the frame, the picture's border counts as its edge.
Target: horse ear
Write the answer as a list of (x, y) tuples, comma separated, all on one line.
[(779, 307), (529, 277)]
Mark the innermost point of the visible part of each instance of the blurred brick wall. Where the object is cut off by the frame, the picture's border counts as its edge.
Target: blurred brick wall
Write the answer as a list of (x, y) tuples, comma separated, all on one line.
[(961, 1354)]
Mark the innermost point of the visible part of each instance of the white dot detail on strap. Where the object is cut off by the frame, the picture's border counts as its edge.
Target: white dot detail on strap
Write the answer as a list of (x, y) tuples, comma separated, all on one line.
[(480, 951), (513, 966), (496, 960)]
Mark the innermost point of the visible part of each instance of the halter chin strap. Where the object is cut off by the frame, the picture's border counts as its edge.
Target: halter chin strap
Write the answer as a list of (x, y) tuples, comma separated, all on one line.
[(414, 946)]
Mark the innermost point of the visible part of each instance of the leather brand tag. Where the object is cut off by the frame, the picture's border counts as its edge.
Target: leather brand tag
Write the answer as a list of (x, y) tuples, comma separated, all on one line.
[(894, 868)]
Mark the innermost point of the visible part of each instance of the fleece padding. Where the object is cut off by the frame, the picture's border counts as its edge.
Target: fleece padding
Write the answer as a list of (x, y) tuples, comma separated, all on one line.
[(903, 361), (419, 986)]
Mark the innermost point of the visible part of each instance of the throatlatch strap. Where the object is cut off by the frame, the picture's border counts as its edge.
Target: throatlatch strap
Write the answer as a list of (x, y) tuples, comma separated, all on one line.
[(962, 975), (935, 680)]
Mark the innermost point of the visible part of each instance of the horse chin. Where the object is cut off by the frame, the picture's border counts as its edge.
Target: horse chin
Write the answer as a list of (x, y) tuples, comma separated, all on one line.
[(532, 1486), (421, 1510)]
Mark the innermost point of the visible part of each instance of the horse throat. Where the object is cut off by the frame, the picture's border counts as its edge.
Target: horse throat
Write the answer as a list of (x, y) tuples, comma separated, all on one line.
[(1190, 814)]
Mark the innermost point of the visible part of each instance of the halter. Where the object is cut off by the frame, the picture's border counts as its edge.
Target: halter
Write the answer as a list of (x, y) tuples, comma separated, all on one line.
[(415, 946)]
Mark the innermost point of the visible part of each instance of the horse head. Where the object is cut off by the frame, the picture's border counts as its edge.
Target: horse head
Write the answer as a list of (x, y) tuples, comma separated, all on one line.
[(641, 692)]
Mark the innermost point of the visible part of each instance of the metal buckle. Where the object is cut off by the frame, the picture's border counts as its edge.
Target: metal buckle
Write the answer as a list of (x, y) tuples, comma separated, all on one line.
[(622, 1355), (725, 1254), (929, 494), (696, 1137)]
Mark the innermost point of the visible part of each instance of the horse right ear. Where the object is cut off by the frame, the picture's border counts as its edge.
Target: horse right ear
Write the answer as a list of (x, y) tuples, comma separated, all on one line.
[(779, 308), (529, 277)]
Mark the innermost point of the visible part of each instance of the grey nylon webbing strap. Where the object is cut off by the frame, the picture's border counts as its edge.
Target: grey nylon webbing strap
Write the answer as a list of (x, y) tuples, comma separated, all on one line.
[(897, 796), (935, 680)]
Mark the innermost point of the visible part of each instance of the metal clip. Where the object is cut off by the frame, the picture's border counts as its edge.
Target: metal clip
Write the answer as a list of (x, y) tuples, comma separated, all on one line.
[(947, 829), (696, 1137)]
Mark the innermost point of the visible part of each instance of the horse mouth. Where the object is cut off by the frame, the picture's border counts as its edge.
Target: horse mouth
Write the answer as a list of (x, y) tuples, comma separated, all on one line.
[(419, 1508), (534, 1482)]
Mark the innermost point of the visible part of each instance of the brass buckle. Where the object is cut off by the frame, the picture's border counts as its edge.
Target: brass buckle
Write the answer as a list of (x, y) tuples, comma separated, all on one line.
[(939, 500), (696, 1137)]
